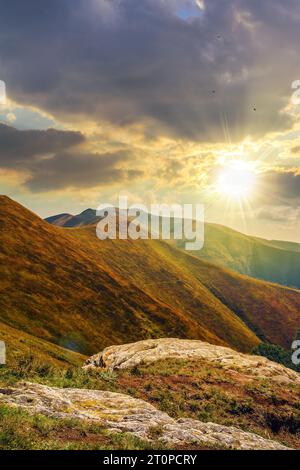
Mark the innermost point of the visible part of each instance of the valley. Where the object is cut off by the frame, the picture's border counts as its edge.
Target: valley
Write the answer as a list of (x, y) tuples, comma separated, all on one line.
[(66, 295)]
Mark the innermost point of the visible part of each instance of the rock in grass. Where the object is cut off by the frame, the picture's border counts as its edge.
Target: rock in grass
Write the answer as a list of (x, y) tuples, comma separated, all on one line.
[(122, 413), (144, 352)]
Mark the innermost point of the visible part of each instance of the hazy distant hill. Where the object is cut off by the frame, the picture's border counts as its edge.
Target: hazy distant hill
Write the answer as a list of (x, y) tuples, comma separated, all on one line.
[(288, 246), (275, 261), (67, 220)]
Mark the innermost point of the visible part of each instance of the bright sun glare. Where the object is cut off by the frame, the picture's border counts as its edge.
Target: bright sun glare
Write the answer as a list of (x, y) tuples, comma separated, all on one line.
[(236, 181)]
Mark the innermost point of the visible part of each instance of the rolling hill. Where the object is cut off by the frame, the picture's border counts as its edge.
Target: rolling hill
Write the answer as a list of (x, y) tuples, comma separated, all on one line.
[(269, 260), (69, 288)]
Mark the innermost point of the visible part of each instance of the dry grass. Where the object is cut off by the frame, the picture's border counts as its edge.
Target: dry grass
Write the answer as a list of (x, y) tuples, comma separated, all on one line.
[(194, 389), (20, 430), (200, 390), (68, 288)]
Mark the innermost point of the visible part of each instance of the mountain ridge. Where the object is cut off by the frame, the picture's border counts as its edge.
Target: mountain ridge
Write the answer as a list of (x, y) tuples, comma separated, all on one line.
[(118, 291), (270, 260)]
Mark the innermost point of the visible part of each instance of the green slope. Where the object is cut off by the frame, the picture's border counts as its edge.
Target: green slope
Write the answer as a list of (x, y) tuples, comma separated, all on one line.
[(272, 261), (22, 346)]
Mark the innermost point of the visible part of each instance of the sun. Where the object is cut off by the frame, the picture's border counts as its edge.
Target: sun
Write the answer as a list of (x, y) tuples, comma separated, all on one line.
[(236, 181)]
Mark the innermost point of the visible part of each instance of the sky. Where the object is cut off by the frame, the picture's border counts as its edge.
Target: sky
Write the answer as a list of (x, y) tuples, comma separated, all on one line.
[(165, 101)]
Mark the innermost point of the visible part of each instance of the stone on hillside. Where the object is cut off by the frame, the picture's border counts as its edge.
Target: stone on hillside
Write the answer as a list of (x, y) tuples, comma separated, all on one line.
[(144, 352), (122, 413)]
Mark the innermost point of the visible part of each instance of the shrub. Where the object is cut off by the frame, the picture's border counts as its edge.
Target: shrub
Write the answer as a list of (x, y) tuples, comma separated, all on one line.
[(276, 354)]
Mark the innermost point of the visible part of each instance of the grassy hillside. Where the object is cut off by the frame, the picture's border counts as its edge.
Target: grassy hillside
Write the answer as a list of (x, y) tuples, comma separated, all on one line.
[(274, 261), (271, 311), (69, 288), (200, 390), (288, 246), (21, 345), (262, 259)]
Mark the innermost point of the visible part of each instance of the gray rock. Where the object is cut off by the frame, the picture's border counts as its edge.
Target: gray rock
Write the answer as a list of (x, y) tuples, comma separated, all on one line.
[(121, 413), (129, 355)]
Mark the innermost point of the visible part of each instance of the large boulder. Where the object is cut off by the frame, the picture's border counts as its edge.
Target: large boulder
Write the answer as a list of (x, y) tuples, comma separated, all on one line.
[(144, 352)]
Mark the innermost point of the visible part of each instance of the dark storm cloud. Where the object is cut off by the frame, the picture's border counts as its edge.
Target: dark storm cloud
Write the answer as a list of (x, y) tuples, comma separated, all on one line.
[(129, 61), (20, 148), (53, 161), (79, 171), (279, 196)]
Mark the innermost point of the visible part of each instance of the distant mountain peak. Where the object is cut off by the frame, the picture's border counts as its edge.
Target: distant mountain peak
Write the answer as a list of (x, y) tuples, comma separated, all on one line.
[(88, 211), (88, 216)]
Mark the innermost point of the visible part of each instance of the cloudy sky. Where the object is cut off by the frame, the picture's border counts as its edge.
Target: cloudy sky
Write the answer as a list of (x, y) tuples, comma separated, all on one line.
[(175, 101)]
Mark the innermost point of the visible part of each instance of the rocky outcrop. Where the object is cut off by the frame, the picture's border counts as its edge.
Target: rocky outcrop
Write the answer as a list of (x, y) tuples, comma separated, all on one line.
[(191, 431), (143, 352), (122, 413)]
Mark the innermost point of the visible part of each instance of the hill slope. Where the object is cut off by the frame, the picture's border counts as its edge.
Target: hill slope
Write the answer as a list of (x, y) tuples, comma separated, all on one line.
[(274, 261), (57, 284), (172, 275), (59, 281), (23, 347), (267, 260)]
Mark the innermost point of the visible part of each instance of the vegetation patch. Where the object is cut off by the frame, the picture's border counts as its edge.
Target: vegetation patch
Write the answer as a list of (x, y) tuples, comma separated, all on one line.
[(276, 354), (20, 430)]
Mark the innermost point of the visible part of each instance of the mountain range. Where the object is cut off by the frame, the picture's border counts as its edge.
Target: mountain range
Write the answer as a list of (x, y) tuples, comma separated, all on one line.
[(73, 291), (269, 260)]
